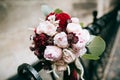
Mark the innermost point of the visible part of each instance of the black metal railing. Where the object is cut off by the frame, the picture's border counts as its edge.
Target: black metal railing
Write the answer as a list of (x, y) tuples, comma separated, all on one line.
[(106, 27)]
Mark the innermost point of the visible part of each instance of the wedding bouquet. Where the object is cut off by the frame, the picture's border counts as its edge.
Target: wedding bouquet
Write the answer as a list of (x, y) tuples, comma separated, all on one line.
[(61, 40)]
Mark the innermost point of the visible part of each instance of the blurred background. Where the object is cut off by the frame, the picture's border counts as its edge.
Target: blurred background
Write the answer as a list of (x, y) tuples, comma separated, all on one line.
[(16, 16)]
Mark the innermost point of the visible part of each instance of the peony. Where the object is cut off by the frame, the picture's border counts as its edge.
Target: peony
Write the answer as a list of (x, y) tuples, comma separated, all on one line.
[(81, 52), (68, 56), (73, 27), (47, 28), (75, 20), (83, 38), (60, 40), (52, 53)]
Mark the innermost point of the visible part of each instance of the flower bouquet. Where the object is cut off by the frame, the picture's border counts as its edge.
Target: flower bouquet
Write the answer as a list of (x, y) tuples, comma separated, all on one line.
[(60, 40)]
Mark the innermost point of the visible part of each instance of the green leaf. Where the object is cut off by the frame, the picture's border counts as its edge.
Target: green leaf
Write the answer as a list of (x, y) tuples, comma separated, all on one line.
[(46, 9), (82, 25), (58, 11), (95, 48), (90, 56)]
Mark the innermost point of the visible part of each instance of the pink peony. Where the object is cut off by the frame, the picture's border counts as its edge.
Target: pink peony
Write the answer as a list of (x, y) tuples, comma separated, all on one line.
[(75, 20), (60, 40), (52, 53), (47, 28), (83, 38), (73, 27), (81, 52)]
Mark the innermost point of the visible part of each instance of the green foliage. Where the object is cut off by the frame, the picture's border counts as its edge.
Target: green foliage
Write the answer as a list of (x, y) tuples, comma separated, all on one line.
[(58, 11), (82, 25), (91, 56), (95, 48)]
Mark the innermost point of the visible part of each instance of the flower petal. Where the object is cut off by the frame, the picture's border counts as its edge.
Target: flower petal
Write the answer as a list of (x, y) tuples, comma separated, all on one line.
[(68, 56), (52, 53), (60, 40), (73, 27)]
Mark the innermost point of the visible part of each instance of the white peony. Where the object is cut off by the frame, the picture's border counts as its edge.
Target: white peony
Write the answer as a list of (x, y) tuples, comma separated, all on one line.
[(75, 20), (60, 40), (73, 27), (47, 28), (52, 53)]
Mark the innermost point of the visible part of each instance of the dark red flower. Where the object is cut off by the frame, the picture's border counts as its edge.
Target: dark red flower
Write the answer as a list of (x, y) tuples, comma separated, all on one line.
[(75, 39), (40, 40), (63, 17), (39, 52), (72, 38), (50, 41), (59, 29)]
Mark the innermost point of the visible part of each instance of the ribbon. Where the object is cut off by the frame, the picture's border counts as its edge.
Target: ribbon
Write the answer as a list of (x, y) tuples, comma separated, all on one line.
[(80, 67)]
